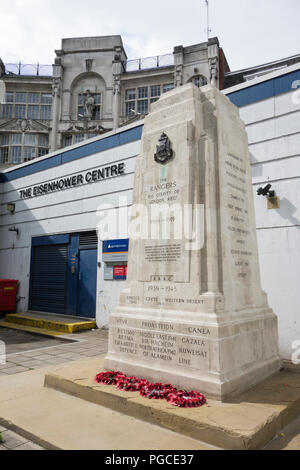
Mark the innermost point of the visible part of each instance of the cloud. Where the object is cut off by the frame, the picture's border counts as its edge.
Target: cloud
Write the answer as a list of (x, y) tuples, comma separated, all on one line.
[(250, 31)]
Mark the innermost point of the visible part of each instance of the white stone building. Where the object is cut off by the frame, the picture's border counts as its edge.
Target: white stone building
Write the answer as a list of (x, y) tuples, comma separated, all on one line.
[(91, 89)]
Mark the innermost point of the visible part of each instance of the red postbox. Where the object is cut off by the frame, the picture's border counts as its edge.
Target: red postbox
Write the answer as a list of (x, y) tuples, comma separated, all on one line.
[(8, 295)]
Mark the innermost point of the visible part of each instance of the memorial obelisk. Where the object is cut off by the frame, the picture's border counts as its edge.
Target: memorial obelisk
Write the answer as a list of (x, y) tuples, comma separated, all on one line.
[(193, 312)]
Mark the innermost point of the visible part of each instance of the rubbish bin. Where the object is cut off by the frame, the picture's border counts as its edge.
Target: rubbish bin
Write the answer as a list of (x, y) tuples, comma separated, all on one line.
[(8, 295)]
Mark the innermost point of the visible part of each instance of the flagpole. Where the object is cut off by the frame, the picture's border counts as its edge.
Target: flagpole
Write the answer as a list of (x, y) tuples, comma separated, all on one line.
[(208, 20)]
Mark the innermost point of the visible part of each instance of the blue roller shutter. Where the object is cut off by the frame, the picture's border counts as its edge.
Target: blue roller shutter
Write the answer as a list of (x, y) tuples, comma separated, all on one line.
[(49, 271)]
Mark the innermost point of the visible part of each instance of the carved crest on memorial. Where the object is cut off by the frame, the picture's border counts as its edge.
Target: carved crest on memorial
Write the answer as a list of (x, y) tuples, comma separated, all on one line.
[(164, 151)]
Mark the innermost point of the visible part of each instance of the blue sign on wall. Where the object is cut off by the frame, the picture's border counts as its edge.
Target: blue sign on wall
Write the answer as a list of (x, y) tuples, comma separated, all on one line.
[(115, 250), (116, 246)]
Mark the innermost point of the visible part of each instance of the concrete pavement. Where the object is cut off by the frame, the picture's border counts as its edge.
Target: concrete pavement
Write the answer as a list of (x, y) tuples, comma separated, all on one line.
[(56, 420), (27, 352), (33, 416)]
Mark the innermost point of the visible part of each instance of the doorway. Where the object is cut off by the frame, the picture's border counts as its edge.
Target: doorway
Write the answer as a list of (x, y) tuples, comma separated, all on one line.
[(63, 276)]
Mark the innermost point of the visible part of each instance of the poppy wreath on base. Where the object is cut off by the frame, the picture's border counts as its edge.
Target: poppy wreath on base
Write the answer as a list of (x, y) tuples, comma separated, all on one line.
[(109, 378), (130, 384), (157, 391), (184, 399)]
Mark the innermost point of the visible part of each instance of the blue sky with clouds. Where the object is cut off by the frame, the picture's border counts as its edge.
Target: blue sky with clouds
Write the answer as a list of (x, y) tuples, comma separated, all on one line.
[(251, 32)]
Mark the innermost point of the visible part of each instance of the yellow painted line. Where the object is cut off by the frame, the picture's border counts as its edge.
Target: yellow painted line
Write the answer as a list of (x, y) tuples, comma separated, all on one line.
[(63, 327), (28, 329)]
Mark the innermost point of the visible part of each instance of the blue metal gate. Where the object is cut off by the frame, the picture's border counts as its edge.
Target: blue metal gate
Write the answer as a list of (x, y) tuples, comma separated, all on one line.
[(64, 274)]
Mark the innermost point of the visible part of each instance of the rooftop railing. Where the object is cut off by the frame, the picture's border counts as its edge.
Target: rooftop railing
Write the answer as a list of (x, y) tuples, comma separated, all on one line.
[(164, 60), (150, 62), (29, 69)]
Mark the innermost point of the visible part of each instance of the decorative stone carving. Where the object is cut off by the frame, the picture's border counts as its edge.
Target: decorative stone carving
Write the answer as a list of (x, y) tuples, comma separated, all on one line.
[(24, 125), (163, 149), (56, 88), (117, 84), (178, 75), (89, 64), (214, 72), (89, 105)]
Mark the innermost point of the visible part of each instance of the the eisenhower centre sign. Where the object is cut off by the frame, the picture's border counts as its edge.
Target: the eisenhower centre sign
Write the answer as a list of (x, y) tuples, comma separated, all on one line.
[(91, 176)]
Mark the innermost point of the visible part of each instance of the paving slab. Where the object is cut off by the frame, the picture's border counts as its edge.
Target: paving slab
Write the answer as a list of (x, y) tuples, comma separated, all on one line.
[(288, 438), (57, 420), (29, 446), (16, 370), (249, 421), (12, 440)]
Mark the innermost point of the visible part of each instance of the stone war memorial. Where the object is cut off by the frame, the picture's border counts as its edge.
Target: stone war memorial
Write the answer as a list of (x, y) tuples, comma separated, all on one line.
[(193, 313)]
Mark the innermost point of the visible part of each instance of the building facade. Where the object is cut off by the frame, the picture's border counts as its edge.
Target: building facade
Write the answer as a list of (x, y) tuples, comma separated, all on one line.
[(54, 211), (91, 89), (270, 107)]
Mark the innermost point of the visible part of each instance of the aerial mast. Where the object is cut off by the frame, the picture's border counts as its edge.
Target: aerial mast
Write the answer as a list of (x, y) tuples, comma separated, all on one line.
[(208, 19)]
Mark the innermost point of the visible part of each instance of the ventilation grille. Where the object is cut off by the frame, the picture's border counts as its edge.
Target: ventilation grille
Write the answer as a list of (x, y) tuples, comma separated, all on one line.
[(88, 238)]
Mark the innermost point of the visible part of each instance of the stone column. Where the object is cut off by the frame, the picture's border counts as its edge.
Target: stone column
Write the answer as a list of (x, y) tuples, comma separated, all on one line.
[(116, 101), (55, 109), (178, 65)]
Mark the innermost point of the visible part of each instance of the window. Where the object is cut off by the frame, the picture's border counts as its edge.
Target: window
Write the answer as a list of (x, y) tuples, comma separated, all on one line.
[(16, 154), (138, 100), (130, 94), (72, 139), (143, 107), (42, 152), (23, 105), (143, 92), (29, 153), (43, 144), (78, 138), (9, 97), (16, 139), (155, 93), (68, 140), (45, 113), (21, 97), (33, 112), (97, 108), (3, 155), (18, 147), (200, 80), (7, 111), (4, 141), (20, 111), (33, 98), (29, 139), (43, 140), (167, 87), (46, 98), (130, 108)]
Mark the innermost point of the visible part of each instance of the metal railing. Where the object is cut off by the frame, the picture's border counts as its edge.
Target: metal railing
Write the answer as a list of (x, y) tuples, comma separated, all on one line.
[(29, 69), (157, 61), (145, 63)]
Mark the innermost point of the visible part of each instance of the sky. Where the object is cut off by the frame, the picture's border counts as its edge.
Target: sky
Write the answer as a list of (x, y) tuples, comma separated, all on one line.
[(251, 32)]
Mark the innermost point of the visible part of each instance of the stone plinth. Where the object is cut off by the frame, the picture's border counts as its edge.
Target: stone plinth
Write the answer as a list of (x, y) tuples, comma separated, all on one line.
[(193, 312)]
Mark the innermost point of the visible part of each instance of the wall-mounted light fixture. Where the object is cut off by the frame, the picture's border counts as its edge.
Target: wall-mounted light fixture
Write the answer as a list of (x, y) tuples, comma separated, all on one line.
[(14, 229), (11, 208)]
